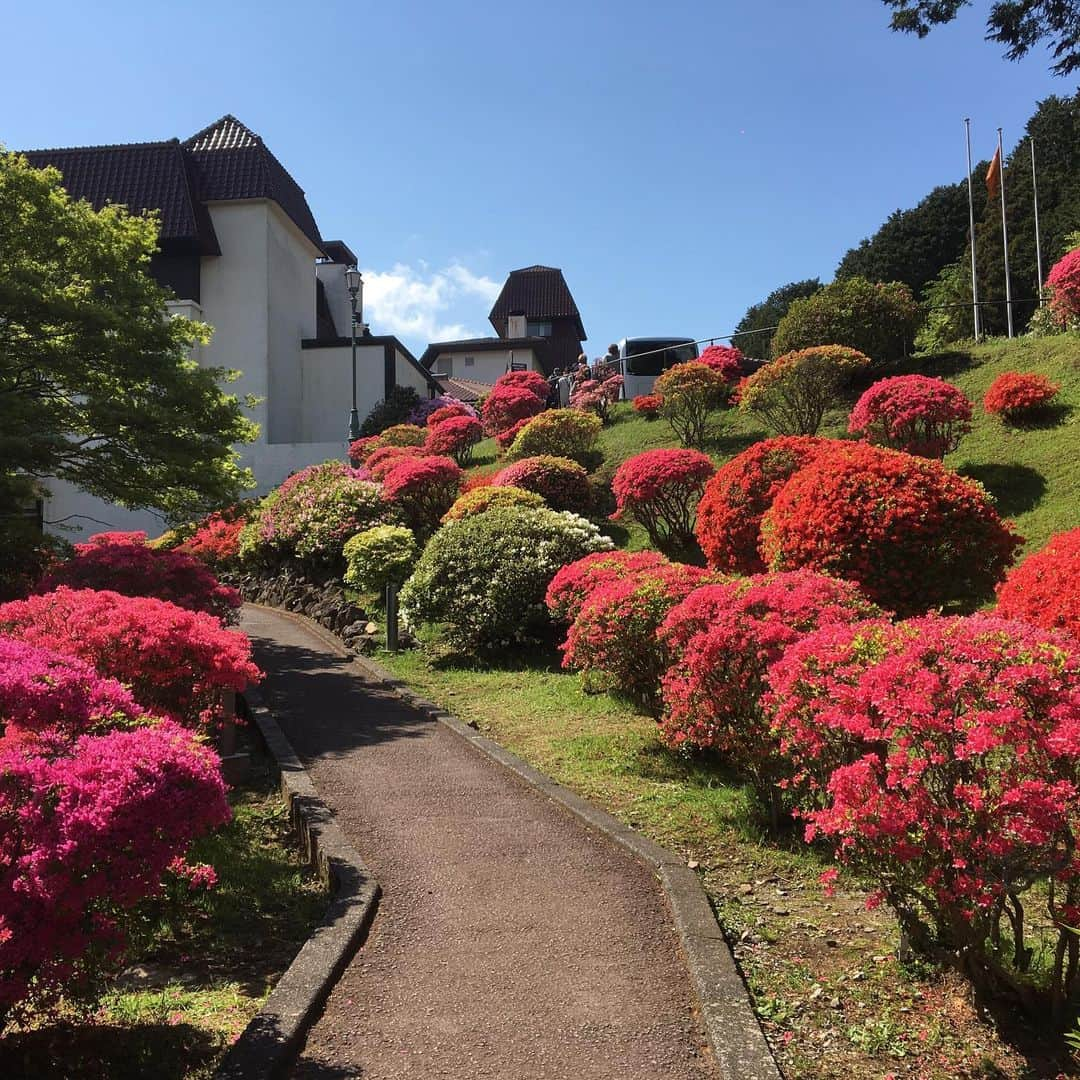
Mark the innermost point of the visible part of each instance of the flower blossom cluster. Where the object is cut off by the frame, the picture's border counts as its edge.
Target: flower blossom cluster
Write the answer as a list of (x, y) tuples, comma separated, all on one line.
[(913, 413), (563, 484)]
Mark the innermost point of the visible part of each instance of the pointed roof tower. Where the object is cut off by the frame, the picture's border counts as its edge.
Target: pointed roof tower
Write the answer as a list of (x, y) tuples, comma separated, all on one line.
[(540, 293)]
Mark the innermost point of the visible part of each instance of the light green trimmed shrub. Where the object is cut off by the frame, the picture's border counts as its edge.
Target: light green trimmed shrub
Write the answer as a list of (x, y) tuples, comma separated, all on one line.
[(483, 577), (568, 433), (379, 556)]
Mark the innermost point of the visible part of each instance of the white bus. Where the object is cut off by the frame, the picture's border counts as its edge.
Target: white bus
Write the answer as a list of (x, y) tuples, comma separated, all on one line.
[(644, 358)]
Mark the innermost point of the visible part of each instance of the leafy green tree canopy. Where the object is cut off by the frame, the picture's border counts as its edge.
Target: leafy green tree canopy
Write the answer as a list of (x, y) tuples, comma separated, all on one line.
[(96, 383), (877, 319), (1019, 25), (754, 332)]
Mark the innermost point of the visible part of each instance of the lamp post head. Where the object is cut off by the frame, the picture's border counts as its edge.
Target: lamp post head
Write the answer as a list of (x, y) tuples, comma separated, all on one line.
[(353, 281)]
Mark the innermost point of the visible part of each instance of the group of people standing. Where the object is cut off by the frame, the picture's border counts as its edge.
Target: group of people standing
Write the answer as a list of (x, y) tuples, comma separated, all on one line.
[(563, 383)]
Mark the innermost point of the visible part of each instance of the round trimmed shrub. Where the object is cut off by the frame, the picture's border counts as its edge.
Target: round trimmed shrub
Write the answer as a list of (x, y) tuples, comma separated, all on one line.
[(312, 514), (722, 639), (726, 360), (382, 460), (507, 406), (1044, 589), (483, 577), (941, 757), (574, 584), (480, 500), (1064, 283), (532, 381), (914, 413), (403, 435), (41, 690), (429, 407), (376, 557), (691, 392), (177, 663), (444, 412), (568, 433), (879, 320), (613, 641), (563, 484), (648, 405), (792, 394), (1017, 396), (660, 490), (914, 535), (455, 437), (133, 569), (422, 490), (736, 498)]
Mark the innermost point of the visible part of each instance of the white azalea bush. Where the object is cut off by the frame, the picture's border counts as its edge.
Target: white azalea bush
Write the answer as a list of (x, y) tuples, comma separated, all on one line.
[(378, 556), (482, 578)]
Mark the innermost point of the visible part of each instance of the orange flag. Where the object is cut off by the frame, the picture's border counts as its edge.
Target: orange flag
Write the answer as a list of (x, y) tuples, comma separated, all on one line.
[(993, 175)]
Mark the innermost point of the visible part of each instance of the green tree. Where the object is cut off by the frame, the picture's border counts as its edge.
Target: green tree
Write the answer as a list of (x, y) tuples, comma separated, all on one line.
[(1019, 25), (96, 384), (754, 332), (949, 316), (877, 319), (913, 246)]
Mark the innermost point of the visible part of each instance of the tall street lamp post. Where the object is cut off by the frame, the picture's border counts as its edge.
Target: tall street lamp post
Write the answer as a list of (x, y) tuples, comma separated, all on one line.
[(355, 284)]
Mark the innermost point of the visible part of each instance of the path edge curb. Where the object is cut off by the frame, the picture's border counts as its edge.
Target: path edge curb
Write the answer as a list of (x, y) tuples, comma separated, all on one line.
[(274, 1037), (735, 1036)]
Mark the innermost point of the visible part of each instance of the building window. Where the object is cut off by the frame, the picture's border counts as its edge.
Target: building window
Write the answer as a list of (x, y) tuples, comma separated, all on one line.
[(470, 361), (538, 329)]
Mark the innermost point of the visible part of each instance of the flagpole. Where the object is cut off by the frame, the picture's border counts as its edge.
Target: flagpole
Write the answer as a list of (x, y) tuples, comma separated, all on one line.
[(1005, 239), (971, 220), (1038, 246)]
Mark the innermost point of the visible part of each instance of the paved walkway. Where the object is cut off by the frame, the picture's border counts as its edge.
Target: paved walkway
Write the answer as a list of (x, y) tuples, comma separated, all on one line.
[(510, 941)]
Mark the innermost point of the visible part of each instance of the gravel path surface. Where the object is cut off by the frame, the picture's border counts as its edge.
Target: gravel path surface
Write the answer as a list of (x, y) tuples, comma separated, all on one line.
[(510, 941)]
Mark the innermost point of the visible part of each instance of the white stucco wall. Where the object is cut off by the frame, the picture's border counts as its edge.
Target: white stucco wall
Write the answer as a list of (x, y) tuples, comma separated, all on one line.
[(326, 389), (332, 275), (486, 367), (407, 375)]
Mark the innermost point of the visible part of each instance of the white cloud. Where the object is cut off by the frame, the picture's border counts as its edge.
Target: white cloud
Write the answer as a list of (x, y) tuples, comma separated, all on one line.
[(421, 305)]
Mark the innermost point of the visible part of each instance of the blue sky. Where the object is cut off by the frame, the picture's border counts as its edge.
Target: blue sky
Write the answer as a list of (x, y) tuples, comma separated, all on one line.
[(677, 160)]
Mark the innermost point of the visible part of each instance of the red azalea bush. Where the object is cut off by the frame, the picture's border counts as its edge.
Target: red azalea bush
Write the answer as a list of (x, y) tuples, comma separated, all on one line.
[(613, 641), (648, 405), (423, 489), (361, 449), (216, 542), (507, 406), (445, 412), (134, 569), (911, 533), (532, 381), (942, 758), (725, 360), (456, 437), (660, 489), (690, 393), (1064, 282), (913, 413), (381, 461), (577, 581), (1044, 589), (563, 484), (742, 489), (177, 663), (86, 832), (1017, 395), (42, 690), (722, 639)]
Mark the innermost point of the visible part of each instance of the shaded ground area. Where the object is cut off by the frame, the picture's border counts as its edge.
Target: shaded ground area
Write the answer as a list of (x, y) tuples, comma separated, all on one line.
[(510, 942)]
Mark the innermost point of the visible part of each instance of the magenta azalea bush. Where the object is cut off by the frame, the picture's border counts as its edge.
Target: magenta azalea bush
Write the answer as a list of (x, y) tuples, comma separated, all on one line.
[(913, 413)]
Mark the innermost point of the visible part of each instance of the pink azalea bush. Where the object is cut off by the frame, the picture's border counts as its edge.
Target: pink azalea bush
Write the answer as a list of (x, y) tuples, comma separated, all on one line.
[(913, 413), (532, 381), (449, 409), (722, 639), (660, 489), (597, 395), (422, 490), (941, 757), (577, 581), (42, 690), (613, 640), (1064, 283), (725, 360), (177, 663), (132, 568), (382, 460), (87, 830), (563, 484)]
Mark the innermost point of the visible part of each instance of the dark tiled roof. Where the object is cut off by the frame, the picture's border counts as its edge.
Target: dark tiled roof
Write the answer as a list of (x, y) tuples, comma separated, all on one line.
[(141, 176), (222, 162), (538, 293)]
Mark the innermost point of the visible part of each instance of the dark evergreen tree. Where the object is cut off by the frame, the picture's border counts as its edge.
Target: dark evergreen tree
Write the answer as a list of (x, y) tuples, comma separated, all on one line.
[(754, 332)]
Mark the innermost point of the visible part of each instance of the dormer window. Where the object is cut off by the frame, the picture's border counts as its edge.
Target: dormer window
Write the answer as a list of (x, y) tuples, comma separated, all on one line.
[(538, 329)]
